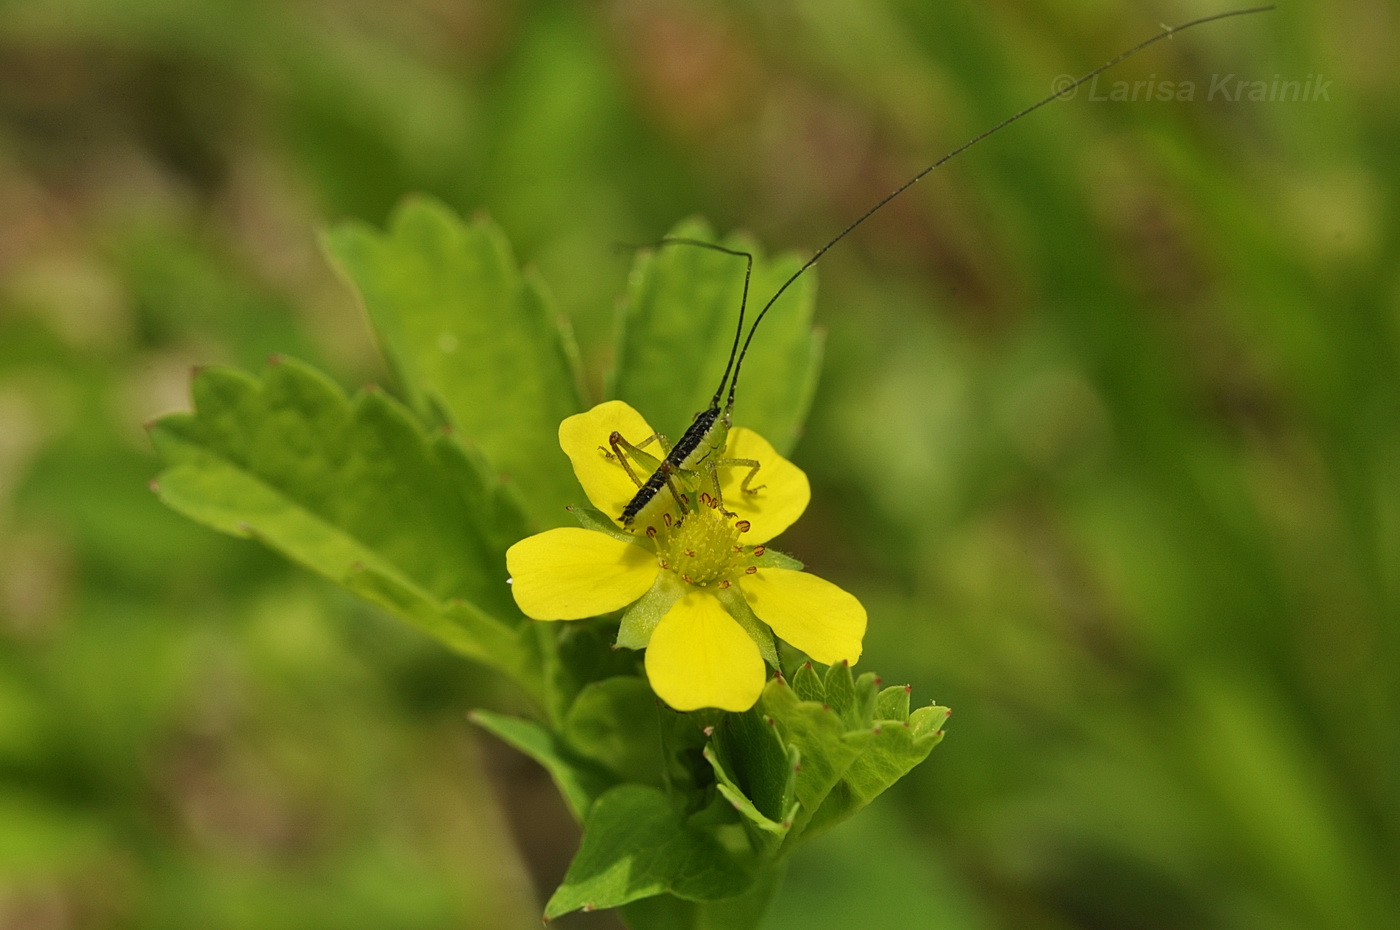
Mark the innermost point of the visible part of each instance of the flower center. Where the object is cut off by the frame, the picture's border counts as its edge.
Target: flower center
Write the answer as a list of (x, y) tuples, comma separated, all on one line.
[(703, 548)]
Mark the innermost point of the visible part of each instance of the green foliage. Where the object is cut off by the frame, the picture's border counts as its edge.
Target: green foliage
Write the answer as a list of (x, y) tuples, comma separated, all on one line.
[(1106, 440), (678, 325), (637, 845), (353, 489), (415, 520), (614, 724), (472, 340), (579, 782), (784, 772), (852, 742)]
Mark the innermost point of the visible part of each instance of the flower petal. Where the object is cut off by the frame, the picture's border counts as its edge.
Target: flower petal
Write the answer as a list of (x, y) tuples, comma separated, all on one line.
[(700, 657), (812, 614), (584, 439), (569, 574), (782, 492)]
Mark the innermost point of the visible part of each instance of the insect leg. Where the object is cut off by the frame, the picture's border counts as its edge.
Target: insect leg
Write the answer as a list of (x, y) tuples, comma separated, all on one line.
[(619, 445), (751, 465), (657, 438), (669, 471)]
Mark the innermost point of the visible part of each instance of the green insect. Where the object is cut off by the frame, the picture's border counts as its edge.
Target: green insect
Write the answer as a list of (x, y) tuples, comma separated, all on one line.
[(689, 470)]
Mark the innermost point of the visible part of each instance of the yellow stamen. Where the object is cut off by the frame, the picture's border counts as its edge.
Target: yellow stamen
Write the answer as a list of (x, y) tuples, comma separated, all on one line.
[(705, 542)]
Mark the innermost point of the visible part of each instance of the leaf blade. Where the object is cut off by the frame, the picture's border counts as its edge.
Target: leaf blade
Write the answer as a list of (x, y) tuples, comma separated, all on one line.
[(471, 336), (353, 490), (635, 845)]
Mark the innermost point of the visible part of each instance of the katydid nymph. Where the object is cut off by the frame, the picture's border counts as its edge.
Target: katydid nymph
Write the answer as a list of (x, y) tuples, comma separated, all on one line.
[(691, 466)]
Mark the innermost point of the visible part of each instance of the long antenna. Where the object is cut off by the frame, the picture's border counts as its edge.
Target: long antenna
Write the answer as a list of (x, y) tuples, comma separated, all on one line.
[(743, 300), (1062, 92)]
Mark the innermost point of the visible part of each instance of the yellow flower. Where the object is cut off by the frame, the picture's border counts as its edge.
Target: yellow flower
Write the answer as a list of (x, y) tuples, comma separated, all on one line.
[(698, 587)]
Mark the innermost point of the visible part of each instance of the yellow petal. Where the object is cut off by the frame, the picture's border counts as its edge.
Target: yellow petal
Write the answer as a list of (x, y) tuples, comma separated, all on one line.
[(814, 615), (569, 574), (584, 439), (782, 493), (700, 657)]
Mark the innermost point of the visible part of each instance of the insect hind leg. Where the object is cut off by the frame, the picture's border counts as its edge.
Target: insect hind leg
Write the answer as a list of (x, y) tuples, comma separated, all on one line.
[(635, 453)]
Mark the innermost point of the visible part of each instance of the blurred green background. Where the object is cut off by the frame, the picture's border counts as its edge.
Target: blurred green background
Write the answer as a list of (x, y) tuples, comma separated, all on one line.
[(1108, 441)]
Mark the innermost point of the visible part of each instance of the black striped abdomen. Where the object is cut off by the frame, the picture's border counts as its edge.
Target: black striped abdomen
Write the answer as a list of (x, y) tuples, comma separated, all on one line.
[(676, 459)]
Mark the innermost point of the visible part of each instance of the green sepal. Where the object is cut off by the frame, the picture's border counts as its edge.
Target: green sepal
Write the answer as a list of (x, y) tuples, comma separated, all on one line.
[(470, 338), (614, 723), (640, 620), (894, 747), (636, 845), (596, 520), (580, 782), (738, 608), (771, 558)]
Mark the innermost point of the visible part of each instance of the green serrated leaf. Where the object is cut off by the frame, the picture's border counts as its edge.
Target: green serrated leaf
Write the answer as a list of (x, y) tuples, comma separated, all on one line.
[(867, 692), (502, 512), (927, 722), (819, 734), (892, 750), (579, 781), (893, 704), (841, 694), (678, 324), (636, 845), (337, 485), (457, 624), (614, 723), (469, 335), (807, 684)]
